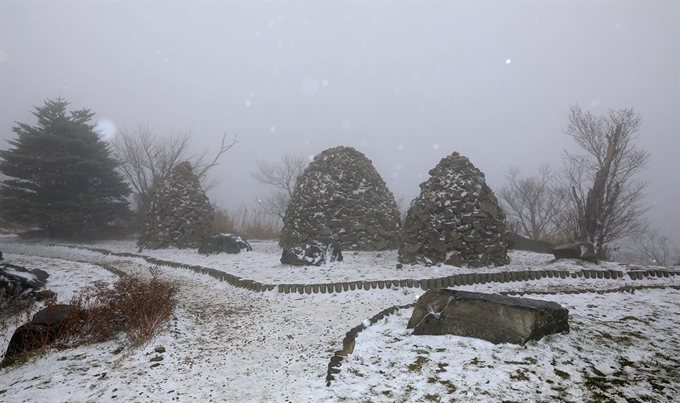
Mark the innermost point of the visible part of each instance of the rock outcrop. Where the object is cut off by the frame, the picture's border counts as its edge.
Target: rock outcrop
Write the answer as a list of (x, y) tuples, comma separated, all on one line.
[(455, 220), (226, 243), (45, 327), (490, 317), (340, 193), (179, 214), (583, 250), (17, 282), (314, 253)]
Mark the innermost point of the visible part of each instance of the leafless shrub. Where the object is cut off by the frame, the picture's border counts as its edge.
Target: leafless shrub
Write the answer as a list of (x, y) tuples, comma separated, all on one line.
[(652, 248), (250, 223), (133, 305), (532, 203)]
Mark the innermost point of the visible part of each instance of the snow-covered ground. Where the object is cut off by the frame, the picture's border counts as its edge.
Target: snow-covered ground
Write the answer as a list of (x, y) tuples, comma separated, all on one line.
[(232, 345)]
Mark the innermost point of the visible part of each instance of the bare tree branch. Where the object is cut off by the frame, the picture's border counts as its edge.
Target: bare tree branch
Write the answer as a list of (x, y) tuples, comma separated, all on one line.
[(146, 159), (532, 203), (282, 175)]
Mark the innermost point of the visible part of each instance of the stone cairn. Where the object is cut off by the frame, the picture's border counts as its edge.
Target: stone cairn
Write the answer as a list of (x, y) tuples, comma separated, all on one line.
[(341, 195), (455, 219), (180, 213)]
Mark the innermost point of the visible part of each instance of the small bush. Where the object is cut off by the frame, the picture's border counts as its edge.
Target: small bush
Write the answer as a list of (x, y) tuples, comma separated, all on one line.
[(133, 305), (247, 222)]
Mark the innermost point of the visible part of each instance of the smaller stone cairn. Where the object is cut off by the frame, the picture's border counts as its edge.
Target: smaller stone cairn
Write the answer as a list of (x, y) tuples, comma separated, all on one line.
[(180, 213), (341, 194), (456, 219)]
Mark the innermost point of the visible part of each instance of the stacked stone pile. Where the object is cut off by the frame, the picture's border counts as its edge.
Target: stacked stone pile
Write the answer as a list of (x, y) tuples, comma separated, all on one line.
[(180, 213), (340, 193), (455, 220)]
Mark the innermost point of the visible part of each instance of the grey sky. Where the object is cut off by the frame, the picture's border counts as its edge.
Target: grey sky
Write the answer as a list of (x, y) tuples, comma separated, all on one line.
[(404, 83)]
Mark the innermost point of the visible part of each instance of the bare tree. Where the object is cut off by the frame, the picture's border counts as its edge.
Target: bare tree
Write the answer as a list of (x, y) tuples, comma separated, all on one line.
[(652, 248), (282, 175), (146, 159), (606, 198), (532, 203)]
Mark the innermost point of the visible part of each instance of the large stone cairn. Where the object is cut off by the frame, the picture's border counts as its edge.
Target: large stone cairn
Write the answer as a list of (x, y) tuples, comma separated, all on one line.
[(341, 194), (179, 214), (455, 219)]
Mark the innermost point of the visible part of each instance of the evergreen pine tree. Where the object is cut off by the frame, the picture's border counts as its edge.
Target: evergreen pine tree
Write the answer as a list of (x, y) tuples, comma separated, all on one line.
[(62, 177)]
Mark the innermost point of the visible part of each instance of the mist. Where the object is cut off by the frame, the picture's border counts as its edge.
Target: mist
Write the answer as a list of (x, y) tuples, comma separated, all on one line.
[(405, 83)]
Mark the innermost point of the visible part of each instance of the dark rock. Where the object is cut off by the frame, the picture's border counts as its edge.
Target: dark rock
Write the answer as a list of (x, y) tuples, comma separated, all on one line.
[(455, 220), (495, 318), (19, 282), (46, 295), (313, 253), (583, 250), (518, 242), (45, 327), (341, 194), (53, 315), (226, 243)]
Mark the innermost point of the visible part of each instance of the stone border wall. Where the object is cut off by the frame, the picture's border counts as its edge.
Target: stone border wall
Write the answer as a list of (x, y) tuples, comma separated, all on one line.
[(349, 342), (425, 284)]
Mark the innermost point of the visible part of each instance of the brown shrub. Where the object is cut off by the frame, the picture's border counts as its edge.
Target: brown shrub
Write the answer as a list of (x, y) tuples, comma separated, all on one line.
[(247, 222), (136, 306)]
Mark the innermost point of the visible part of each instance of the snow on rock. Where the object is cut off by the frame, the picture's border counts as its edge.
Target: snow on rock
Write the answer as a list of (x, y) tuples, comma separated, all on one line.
[(180, 213), (455, 219), (341, 195)]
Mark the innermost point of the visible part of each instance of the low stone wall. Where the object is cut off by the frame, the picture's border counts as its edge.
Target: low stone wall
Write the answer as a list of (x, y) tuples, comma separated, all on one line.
[(349, 341), (424, 284)]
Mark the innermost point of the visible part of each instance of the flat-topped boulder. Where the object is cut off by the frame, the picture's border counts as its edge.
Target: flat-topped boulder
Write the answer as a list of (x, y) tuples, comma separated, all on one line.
[(490, 317), (583, 250)]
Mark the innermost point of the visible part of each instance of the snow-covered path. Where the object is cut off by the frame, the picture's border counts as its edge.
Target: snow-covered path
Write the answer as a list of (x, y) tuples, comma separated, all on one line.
[(229, 344)]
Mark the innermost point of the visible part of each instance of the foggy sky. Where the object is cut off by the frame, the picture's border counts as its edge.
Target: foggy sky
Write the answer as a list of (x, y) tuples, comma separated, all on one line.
[(404, 83)]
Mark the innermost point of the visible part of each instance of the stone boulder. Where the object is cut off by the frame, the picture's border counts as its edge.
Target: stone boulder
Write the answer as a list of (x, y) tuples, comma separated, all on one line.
[(455, 219), (490, 317), (226, 243), (45, 327), (340, 193), (314, 253), (518, 242), (583, 250), (19, 282), (179, 214)]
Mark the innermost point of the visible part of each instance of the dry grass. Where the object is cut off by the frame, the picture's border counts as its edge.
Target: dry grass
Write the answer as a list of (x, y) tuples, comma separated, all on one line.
[(136, 306), (250, 223)]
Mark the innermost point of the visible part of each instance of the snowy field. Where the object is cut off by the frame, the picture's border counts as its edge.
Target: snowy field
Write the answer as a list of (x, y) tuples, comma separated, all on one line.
[(232, 345)]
